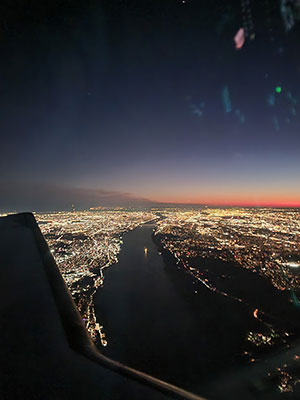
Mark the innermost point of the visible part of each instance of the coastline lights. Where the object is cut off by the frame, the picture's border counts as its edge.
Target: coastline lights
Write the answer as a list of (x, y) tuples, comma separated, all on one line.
[(292, 264)]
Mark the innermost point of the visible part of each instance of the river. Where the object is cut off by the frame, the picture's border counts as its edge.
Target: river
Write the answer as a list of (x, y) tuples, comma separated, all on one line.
[(158, 319)]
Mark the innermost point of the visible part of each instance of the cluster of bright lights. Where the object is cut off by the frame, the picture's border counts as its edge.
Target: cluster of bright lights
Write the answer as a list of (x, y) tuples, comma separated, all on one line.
[(84, 244), (265, 241), (262, 240)]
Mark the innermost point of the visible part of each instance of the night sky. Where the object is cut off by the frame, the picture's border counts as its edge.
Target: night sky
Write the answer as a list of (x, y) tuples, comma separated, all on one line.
[(141, 101)]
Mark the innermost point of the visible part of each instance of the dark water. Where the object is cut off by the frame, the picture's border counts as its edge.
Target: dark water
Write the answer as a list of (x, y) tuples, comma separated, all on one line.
[(154, 320)]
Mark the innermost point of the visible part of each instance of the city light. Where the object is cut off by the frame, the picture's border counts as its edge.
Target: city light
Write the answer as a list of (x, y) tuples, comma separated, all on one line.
[(84, 244)]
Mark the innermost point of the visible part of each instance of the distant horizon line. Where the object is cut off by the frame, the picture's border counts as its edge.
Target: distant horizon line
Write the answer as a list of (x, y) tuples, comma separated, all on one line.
[(153, 205), (213, 205)]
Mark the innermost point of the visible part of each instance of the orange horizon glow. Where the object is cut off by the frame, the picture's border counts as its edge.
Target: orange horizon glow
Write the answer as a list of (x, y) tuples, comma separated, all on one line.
[(230, 202), (224, 193), (236, 204)]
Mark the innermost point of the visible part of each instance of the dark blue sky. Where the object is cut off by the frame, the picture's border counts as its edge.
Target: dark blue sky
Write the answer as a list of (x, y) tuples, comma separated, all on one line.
[(136, 99)]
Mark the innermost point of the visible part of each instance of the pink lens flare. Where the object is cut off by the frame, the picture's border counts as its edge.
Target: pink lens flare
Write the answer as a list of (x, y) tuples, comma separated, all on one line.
[(239, 39)]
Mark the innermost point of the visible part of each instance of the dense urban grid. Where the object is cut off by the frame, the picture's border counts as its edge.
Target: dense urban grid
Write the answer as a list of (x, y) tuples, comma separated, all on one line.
[(84, 244), (263, 241)]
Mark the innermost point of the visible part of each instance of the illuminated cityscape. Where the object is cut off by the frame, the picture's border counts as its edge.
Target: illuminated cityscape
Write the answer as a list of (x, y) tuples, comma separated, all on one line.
[(264, 242), (156, 145), (84, 244)]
